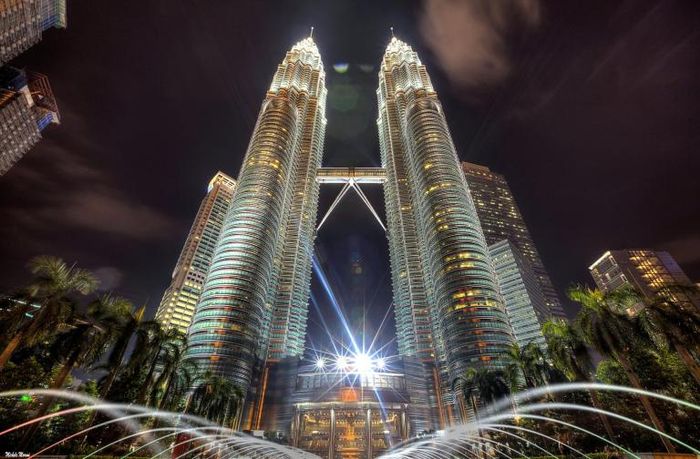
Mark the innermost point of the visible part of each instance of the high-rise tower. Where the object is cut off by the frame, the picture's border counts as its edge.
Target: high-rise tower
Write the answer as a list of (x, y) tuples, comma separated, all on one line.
[(525, 303), (23, 21), (254, 300), (412, 306), (446, 297), (655, 274), (27, 106), (302, 76), (180, 298), (501, 219)]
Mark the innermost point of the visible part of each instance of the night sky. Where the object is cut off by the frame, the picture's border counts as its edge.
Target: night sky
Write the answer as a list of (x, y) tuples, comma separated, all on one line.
[(590, 109)]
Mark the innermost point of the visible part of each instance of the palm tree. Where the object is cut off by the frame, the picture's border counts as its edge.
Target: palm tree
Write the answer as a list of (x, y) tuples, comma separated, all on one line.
[(161, 343), (177, 376), (217, 399), (52, 289), (490, 385), (569, 354), (89, 336), (127, 327), (670, 324), (538, 363), (604, 324), (513, 377), (127, 324), (531, 362)]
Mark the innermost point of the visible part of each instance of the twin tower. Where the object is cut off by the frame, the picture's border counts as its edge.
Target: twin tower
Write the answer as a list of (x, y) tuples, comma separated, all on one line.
[(254, 304)]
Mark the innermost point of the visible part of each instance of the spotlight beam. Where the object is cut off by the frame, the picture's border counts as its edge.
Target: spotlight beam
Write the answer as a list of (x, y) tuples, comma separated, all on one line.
[(331, 296), (385, 345), (314, 302), (381, 325)]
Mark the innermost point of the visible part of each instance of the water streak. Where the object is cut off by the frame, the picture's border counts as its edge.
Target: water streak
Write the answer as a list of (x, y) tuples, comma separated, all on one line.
[(197, 437)]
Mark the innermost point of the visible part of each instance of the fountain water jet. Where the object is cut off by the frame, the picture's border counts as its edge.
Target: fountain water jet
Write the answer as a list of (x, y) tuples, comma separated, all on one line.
[(495, 428), (479, 439)]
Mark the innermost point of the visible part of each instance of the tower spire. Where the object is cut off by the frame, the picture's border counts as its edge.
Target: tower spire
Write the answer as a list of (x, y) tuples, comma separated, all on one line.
[(392, 31), (311, 32)]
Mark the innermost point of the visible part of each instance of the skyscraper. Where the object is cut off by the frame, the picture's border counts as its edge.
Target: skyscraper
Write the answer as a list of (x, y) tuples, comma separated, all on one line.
[(522, 294), (27, 106), (501, 219), (250, 321), (254, 302), (301, 80), (180, 298), (649, 271), (446, 299), (22, 23)]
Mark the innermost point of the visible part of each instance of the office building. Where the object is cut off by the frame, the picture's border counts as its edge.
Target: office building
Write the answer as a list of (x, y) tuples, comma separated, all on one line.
[(525, 303), (254, 302), (249, 325), (27, 107), (501, 219), (180, 298), (22, 23), (446, 300), (650, 272)]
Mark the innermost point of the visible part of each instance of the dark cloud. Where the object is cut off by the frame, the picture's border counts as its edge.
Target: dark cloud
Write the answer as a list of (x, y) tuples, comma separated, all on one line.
[(109, 277), (67, 192), (103, 210), (63, 199), (470, 38)]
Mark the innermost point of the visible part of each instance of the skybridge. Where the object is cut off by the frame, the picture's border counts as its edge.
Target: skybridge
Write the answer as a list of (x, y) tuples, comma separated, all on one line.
[(351, 178), (376, 175)]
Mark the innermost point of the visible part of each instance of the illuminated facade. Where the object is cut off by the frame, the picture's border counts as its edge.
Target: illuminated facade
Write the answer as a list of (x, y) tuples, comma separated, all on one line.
[(302, 76), (348, 414), (648, 271), (446, 299), (525, 303), (22, 23), (27, 107), (253, 305), (180, 298), (250, 322), (501, 219), (341, 416)]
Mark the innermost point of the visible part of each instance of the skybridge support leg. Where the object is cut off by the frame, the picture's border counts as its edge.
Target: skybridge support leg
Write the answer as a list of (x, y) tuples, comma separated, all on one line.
[(344, 190), (362, 196)]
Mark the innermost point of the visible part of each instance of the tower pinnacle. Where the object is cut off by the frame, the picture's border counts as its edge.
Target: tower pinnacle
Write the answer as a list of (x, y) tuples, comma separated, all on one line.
[(311, 32)]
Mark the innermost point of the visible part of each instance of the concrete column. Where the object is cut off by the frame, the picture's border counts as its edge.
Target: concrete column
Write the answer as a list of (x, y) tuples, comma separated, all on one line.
[(331, 437), (404, 432), (296, 429), (368, 427)]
